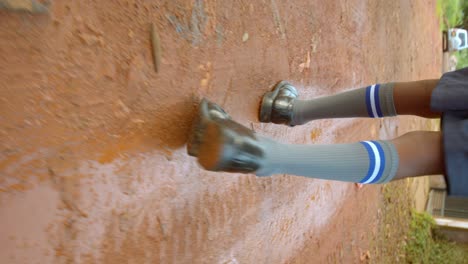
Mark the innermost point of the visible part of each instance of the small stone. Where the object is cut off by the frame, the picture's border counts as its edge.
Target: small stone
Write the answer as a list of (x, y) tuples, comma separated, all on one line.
[(245, 37), (204, 83), (91, 40), (137, 121)]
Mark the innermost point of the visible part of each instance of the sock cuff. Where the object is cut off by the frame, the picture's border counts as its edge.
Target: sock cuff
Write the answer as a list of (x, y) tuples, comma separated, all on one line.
[(386, 99), (379, 100), (383, 161)]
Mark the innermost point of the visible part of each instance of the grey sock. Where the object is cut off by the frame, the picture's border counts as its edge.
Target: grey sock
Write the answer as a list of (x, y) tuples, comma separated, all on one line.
[(372, 101), (364, 162)]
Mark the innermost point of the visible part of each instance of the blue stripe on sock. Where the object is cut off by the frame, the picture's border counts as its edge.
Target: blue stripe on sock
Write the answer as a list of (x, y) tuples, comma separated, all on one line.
[(382, 162), (377, 100), (368, 103), (371, 162)]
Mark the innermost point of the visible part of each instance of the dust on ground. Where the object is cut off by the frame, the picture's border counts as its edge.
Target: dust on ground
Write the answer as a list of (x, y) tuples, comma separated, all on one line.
[(92, 139)]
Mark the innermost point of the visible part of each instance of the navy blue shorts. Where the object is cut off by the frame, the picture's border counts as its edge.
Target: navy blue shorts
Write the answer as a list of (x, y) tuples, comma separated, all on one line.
[(451, 98)]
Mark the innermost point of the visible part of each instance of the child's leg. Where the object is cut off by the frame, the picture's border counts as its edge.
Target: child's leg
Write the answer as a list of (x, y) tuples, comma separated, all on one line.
[(379, 100), (414, 98), (420, 153), (413, 154), (363, 162), (372, 101), (221, 144)]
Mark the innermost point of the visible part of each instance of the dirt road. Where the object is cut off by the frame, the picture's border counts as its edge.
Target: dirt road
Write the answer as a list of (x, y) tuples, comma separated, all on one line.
[(93, 163)]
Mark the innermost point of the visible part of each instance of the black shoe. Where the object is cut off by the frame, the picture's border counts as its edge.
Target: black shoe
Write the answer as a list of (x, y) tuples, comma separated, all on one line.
[(276, 105), (221, 144)]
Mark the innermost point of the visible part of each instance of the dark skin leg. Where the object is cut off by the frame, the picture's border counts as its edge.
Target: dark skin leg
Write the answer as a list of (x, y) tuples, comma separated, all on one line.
[(414, 98), (420, 153)]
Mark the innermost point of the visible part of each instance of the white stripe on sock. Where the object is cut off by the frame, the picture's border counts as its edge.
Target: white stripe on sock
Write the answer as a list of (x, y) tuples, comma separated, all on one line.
[(377, 162), (372, 100)]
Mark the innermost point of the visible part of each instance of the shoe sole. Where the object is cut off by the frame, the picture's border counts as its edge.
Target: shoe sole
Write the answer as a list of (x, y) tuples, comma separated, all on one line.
[(211, 151), (228, 146), (220, 143), (205, 116), (268, 99)]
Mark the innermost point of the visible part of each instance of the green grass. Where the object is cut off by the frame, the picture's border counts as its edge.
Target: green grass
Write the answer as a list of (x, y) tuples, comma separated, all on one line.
[(406, 236), (388, 246), (462, 58), (425, 245), (450, 13)]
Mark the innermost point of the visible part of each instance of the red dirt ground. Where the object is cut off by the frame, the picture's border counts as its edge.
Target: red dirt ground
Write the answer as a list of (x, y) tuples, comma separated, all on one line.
[(93, 163)]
